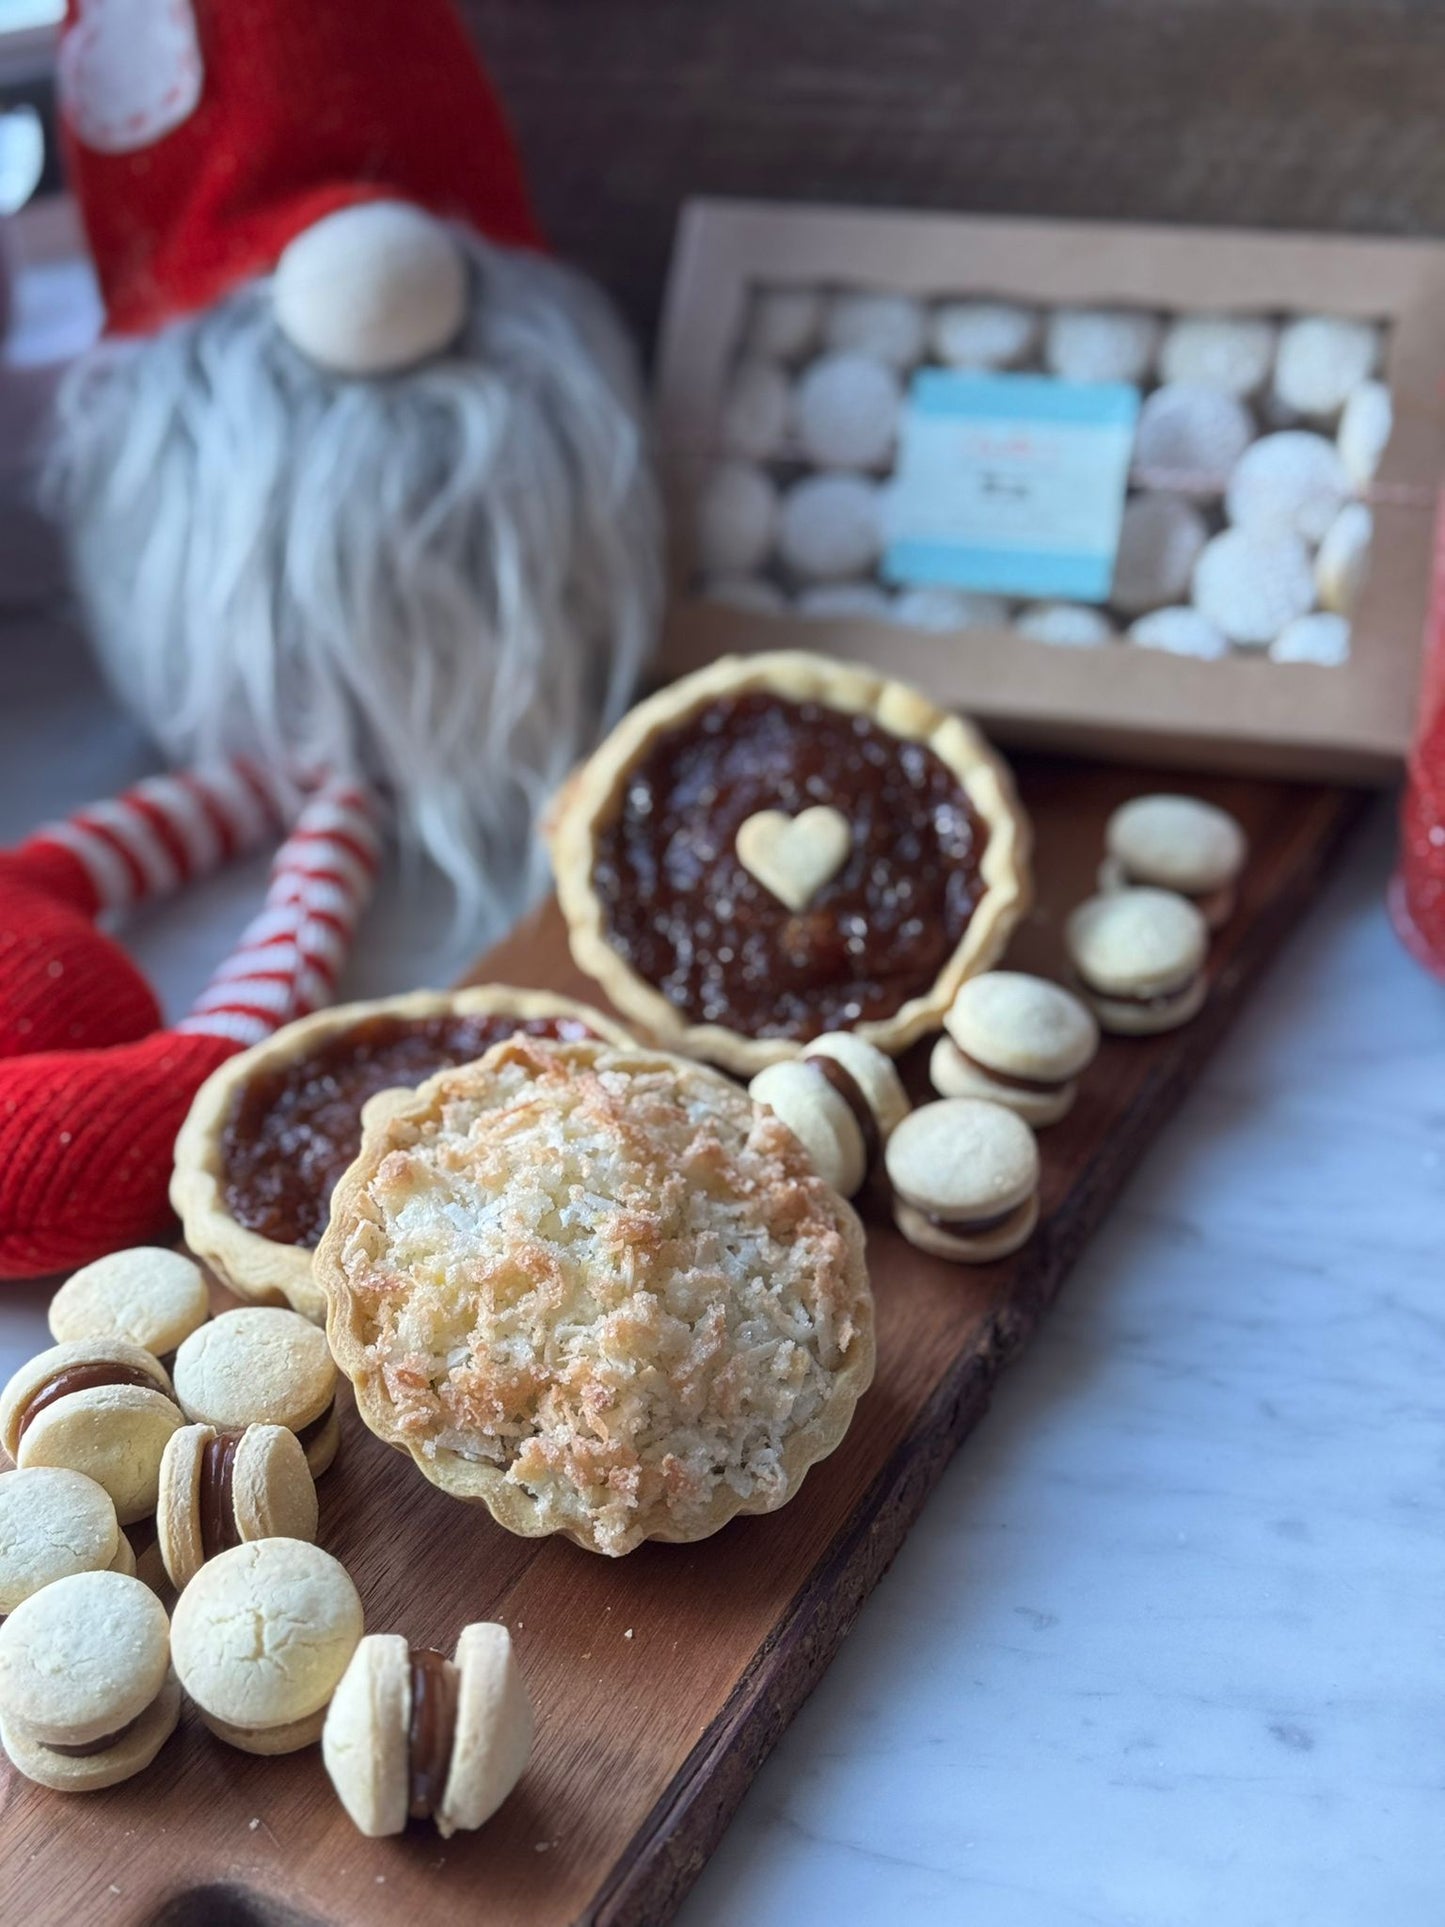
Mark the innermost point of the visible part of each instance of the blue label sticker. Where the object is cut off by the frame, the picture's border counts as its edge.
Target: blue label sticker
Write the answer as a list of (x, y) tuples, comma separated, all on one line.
[(1011, 484)]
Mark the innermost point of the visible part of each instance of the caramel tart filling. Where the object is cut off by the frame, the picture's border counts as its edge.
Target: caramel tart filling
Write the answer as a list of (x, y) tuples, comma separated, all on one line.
[(294, 1128)]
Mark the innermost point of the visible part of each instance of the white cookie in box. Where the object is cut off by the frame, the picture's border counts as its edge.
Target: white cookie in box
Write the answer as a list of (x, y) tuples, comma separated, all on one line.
[(736, 518), (830, 527)]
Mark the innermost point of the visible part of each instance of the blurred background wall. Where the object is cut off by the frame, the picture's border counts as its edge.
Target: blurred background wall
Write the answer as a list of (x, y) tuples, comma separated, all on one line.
[(1273, 113)]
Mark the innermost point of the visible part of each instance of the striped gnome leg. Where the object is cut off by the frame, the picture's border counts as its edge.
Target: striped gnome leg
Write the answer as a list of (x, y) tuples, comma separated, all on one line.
[(86, 1136), (64, 984)]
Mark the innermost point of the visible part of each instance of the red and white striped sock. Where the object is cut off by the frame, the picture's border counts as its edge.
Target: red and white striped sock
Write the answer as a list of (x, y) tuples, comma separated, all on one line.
[(289, 957), (160, 834)]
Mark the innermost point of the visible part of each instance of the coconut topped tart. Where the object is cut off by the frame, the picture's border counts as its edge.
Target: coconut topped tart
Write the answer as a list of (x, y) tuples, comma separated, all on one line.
[(781, 846), (598, 1290), (272, 1130)]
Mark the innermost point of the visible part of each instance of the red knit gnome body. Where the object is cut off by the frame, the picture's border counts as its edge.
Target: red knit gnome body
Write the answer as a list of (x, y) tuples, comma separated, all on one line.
[(92, 1092)]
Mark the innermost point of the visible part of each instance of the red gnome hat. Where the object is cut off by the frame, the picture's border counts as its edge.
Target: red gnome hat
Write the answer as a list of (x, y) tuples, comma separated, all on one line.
[(204, 135)]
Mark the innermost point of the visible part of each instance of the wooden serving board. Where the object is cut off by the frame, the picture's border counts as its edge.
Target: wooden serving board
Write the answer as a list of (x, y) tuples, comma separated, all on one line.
[(663, 1679)]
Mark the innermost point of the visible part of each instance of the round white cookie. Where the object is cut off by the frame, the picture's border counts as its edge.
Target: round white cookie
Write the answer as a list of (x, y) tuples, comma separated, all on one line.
[(1321, 360), (941, 609), (965, 1177), (891, 328), (756, 408), (1176, 843), (1292, 480), (1343, 560), (1250, 583), (1179, 631), (784, 322), (1321, 638), (830, 527), (1231, 353), (1139, 956), (1101, 344), (1364, 431), (152, 1296), (846, 409), (1189, 439), (1067, 625), (53, 1522), (1018, 1041), (736, 519), (984, 334)]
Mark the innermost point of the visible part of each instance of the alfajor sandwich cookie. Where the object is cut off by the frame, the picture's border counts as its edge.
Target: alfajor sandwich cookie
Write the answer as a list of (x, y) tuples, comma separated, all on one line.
[(261, 1636), (224, 1489), (262, 1366), (1176, 843), (1018, 1041), (411, 1734), (99, 1406), (148, 1295), (841, 1099), (1139, 955), (965, 1177), (86, 1695), (53, 1523)]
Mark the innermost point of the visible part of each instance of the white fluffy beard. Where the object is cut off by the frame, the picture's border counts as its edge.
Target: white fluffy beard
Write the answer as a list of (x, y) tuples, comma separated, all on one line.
[(445, 581)]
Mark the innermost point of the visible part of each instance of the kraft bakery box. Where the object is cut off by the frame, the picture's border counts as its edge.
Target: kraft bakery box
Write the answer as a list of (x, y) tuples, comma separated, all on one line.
[(1026, 364)]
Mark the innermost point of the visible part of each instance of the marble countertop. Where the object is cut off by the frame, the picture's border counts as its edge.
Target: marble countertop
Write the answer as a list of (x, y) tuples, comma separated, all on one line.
[(1166, 1645)]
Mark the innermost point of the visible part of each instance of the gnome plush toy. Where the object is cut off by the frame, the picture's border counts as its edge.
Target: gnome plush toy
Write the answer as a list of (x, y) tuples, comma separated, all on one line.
[(356, 482)]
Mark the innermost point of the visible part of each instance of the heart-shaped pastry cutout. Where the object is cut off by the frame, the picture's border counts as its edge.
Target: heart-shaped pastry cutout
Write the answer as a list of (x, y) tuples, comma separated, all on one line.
[(793, 857)]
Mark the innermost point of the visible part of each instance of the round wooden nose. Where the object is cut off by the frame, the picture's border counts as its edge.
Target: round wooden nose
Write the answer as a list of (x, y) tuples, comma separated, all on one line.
[(371, 289)]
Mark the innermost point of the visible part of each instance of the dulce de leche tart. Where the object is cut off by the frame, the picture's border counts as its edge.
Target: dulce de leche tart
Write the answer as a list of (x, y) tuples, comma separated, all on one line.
[(272, 1130), (781, 846), (599, 1290)]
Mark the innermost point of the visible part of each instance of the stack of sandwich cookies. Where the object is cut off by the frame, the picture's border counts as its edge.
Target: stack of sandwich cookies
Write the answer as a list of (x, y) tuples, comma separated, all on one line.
[(965, 1177), (412, 1734), (263, 1366), (261, 1637), (225, 1489), (1015, 1040), (54, 1523), (86, 1695), (101, 1406), (151, 1297), (842, 1099), (1139, 955), (1176, 843)]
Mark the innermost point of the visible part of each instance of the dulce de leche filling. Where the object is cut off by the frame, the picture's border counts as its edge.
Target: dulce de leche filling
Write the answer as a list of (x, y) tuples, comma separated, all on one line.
[(682, 911), (1143, 1000), (851, 1091), (431, 1730), (216, 1494), (293, 1129), (309, 1434), (1011, 1080), (975, 1227), (80, 1378), (88, 1748)]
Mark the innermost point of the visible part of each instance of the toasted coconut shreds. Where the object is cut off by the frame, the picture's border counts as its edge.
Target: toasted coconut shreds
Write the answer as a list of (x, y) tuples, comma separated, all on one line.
[(601, 1275)]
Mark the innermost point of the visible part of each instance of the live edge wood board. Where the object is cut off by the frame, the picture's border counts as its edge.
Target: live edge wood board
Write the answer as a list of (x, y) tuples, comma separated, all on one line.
[(660, 1680)]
